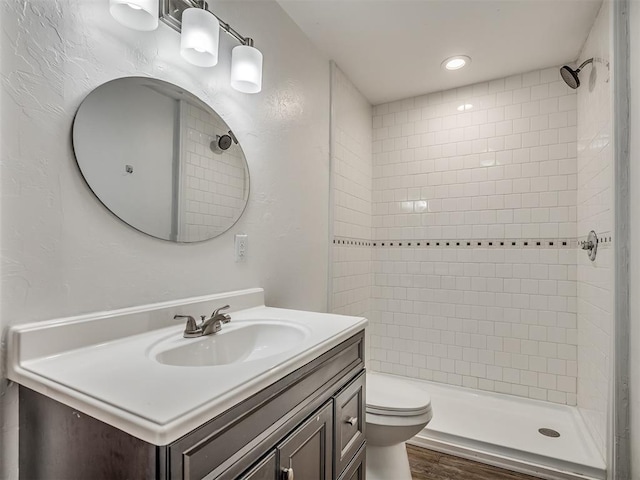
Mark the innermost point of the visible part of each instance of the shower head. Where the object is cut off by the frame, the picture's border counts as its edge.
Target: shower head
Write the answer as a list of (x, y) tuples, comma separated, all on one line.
[(570, 76), (221, 143)]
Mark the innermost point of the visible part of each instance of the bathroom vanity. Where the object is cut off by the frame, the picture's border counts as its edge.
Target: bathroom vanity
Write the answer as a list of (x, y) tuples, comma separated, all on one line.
[(123, 395)]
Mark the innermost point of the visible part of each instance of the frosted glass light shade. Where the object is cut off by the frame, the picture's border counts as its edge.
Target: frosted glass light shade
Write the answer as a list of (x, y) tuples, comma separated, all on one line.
[(246, 69), (136, 14), (200, 37)]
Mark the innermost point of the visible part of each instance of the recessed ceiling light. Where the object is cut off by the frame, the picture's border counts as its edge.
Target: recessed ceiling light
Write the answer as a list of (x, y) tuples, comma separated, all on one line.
[(464, 107), (456, 63)]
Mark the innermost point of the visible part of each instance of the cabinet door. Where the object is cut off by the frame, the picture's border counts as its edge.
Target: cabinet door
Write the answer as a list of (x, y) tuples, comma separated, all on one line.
[(264, 470), (306, 454)]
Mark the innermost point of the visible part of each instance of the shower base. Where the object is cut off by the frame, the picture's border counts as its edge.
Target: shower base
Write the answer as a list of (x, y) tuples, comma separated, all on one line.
[(502, 430)]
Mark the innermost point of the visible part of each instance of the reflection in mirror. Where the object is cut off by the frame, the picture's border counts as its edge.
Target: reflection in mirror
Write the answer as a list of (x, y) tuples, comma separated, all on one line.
[(161, 159)]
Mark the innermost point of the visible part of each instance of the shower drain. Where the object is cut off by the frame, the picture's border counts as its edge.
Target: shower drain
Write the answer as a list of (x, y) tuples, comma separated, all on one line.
[(548, 432)]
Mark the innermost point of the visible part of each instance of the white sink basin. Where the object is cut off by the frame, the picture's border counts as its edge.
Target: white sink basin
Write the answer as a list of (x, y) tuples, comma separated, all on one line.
[(242, 342)]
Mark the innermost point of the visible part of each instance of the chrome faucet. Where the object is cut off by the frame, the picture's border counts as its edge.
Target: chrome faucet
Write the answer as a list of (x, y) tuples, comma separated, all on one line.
[(214, 323), (207, 327)]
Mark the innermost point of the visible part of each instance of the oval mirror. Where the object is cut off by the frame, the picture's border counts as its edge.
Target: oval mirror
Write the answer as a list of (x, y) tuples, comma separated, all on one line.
[(161, 159)]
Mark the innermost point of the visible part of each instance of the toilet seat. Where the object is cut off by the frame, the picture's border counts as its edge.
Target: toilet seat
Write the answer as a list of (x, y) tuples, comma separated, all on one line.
[(399, 421), (388, 396)]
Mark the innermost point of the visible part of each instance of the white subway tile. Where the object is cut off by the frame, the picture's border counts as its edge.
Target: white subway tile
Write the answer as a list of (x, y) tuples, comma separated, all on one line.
[(501, 319)]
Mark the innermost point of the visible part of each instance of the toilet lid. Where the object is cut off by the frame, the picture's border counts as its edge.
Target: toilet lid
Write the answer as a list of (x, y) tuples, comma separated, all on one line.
[(389, 395)]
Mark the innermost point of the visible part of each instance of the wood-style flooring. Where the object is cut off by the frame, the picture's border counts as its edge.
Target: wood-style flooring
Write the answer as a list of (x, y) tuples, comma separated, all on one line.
[(430, 465)]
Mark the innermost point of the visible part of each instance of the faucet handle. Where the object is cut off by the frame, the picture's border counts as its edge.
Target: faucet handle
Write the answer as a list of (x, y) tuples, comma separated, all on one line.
[(191, 326), (218, 310)]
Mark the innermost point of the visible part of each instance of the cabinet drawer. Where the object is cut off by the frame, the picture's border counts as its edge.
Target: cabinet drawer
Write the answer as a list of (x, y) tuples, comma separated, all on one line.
[(349, 420), (357, 469)]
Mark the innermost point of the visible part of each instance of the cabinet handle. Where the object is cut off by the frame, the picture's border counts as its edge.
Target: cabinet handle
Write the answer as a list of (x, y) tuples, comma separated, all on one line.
[(288, 474), (351, 421)]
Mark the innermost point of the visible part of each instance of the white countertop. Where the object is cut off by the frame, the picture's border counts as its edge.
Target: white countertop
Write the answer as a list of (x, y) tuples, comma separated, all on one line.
[(104, 366)]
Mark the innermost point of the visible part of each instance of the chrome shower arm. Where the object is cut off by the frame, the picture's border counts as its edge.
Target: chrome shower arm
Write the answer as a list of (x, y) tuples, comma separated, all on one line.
[(585, 63)]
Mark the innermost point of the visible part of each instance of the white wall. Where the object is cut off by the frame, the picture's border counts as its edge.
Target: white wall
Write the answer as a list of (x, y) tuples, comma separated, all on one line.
[(64, 254), (634, 267), (351, 136), (474, 224), (595, 212)]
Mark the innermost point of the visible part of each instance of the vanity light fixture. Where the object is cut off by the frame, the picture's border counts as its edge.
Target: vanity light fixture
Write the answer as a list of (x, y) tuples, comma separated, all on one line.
[(137, 14), (200, 35), (456, 63), (246, 68)]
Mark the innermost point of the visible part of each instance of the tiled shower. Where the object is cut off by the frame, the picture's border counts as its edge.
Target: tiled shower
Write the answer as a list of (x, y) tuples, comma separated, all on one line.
[(474, 215), (212, 191), (458, 217)]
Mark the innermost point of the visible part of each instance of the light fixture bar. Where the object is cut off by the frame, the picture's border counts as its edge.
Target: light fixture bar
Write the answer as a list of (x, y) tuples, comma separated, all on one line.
[(246, 60), (232, 31), (171, 14)]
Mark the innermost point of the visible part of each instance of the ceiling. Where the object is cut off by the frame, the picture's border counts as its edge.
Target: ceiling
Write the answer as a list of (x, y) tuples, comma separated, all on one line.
[(393, 49)]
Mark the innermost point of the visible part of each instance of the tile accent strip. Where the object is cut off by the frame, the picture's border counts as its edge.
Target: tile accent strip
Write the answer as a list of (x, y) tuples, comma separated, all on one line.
[(604, 241)]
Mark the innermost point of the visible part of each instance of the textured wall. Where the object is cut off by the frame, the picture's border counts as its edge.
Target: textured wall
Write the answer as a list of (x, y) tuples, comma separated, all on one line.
[(63, 253), (595, 212), (475, 224)]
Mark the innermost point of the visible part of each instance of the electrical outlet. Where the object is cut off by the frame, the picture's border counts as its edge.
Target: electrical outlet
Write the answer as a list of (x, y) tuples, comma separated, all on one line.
[(241, 244)]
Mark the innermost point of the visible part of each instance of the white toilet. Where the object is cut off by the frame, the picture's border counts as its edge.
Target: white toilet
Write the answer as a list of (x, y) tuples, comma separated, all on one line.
[(396, 411)]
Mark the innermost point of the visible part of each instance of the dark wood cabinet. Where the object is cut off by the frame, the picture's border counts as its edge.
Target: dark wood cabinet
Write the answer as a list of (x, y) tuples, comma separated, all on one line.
[(357, 468), (307, 452), (311, 421), (266, 469), (349, 421)]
